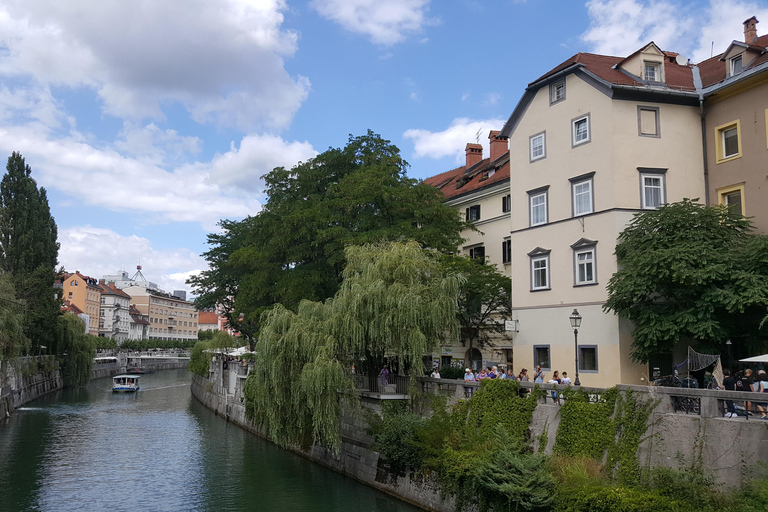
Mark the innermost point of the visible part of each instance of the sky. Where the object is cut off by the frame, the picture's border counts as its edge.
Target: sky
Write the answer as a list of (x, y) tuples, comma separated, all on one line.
[(147, 122)]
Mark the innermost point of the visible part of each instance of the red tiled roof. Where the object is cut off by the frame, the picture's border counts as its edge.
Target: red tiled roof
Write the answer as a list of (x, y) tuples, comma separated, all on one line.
[(713, 70), (207, 317), (605, 67), (68, 306), (447, 182), (137, 316), (111, 289)]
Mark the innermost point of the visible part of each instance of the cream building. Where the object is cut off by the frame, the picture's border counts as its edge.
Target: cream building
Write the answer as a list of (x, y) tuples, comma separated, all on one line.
[(169, 317), (114, 316), (480, 189), (591, 143)]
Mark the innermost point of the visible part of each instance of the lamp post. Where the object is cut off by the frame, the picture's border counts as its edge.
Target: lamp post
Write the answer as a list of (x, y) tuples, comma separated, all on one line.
[(576, 323), (730, 357)]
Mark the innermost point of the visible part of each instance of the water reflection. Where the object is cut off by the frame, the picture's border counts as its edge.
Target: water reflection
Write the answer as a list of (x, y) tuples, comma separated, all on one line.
[(157, 449)]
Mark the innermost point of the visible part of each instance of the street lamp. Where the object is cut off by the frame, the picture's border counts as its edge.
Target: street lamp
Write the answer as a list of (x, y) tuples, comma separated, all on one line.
[(730, 357), (576, 323)]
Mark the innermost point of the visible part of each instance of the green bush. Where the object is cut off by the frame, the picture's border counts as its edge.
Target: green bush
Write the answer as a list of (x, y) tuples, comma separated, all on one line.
[(394, 435), (586, 429), (199, 360), (452, 372)]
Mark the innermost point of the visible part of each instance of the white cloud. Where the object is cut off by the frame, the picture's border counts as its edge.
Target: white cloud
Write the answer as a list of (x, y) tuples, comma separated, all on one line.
[(620, 27), (97, 252), (453, 140), (223, 61), (257, 155), (201, 192), (386, 23)]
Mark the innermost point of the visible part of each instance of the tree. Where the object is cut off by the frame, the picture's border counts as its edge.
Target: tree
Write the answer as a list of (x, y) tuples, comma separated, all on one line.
[(294, 248), (687, 271), (28, 248), (76, 349), (394, 299), (12, 339), (485, 300)]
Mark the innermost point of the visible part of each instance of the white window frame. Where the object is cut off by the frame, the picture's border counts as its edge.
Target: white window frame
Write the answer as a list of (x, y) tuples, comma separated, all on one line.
[(656, 66), (724, 145), (577, 182), (738, 58), (544, 206), (553, 89), (574, 131), (543, 137), (537, 257), (659, 174), (588, 264)]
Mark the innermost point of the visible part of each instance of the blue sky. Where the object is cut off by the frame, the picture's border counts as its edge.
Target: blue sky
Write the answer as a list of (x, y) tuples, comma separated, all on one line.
[(148, 121)]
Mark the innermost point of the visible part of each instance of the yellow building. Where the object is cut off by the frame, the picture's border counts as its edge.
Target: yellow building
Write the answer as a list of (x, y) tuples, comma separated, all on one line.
[(85, 293)]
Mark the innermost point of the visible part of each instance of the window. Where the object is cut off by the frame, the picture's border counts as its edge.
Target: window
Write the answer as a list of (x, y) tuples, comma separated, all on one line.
[(538, 146), (506, 203), (541, 357), (648, 121), (728, 141), (539, 269), (580, 130), (477, 253), (736, 65), (557, 92), (652, 72), (733, 198), (538, 205), (584, 262), (506, 251), (581, 187), (473, 213), (588, 358), (70, 295), (652, 190)]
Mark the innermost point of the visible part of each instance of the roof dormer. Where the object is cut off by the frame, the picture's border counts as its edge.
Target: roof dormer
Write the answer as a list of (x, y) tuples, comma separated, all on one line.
[(740, 55), (647, 64)]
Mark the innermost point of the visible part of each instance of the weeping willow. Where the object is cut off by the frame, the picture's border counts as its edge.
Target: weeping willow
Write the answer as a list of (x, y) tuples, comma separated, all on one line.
[(394, 299), (12, 339), (76, 349)]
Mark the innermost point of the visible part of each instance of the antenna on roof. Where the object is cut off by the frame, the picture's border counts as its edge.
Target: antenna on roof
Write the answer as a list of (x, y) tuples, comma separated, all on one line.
[(477, 135), (712, 50)]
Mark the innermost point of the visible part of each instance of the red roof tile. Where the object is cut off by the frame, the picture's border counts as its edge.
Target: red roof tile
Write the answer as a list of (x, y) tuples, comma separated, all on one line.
[(476, 179)]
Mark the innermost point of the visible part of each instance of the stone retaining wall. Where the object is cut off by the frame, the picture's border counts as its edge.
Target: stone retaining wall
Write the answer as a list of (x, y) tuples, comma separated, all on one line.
[(18, 387)]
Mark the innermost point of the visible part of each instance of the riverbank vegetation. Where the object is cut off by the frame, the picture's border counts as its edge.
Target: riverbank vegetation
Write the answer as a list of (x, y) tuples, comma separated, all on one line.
[(481, 453), (203, 350)]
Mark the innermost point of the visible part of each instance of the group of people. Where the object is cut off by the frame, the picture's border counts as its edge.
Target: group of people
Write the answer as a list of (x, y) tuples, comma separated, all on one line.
[(746, 381), (538, 377)]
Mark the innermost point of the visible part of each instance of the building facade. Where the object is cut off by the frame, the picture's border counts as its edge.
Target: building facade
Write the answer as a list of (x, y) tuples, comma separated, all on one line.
[(85, 293), (593, 142), (169, 317), (114, 315)]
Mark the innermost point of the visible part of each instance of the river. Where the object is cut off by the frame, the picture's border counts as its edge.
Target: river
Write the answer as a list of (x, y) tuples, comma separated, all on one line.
[(158, 450)]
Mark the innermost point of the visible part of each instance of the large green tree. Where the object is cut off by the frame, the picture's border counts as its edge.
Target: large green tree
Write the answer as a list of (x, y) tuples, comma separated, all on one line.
[(29, 249), (690, 272), (394, 299), (76, 349), (12, 338), (485, 300), (294, 248)]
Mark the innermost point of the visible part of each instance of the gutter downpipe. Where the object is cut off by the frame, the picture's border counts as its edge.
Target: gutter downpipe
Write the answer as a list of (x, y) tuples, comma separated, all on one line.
[(697, 83)]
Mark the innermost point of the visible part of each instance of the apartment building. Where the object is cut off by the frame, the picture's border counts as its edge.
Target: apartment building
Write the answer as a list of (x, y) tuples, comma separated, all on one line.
[(592, 142), (85, 293), (138, 328), (114, 314), (480, 190), (736, 126), (169, 317)]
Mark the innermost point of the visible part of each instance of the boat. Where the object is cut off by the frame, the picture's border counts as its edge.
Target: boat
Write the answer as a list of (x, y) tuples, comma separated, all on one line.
[(125, 383)]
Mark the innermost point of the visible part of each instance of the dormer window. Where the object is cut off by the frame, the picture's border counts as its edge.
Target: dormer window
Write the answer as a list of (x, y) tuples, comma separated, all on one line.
[(652, 72), (736, 65), (557, 92)]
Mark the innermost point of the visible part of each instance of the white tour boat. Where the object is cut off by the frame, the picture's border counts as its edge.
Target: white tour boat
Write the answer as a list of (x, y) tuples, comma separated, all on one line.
[(125, 383)]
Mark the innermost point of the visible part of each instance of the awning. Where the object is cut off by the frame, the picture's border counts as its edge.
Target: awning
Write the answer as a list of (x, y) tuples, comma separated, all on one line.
[(756, 359)]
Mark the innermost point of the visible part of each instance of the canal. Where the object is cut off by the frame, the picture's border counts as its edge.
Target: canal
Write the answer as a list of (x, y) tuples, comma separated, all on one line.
[(158, 450)]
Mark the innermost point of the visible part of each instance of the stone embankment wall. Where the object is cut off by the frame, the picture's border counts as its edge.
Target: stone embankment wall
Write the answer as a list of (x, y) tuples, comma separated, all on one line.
[(21, 381), (355, 458)]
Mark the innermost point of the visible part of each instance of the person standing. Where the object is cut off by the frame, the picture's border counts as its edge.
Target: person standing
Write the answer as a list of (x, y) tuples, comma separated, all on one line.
[(555, 380), (762, 387), (538, 375), (729, 383), (435, 374), (566, 379), (468, 377), (511, 375)]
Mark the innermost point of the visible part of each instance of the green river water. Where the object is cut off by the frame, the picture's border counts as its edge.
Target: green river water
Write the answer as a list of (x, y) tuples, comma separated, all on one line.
[(158, 450)]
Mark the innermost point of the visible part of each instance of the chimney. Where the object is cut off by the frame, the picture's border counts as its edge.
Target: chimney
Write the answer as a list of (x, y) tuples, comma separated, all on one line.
[(750, 30), (101, 281), (474, 154), (498, 145)]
